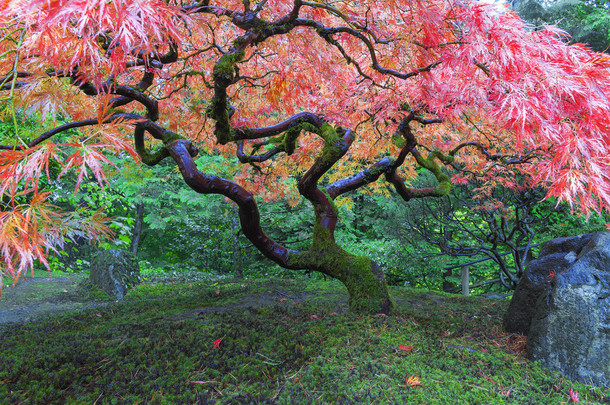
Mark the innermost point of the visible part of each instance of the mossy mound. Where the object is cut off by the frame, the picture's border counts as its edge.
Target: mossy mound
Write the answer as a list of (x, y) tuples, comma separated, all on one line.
[(275, 342)]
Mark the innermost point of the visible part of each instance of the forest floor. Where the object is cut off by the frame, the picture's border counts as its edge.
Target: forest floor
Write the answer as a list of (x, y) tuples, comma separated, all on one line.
[(267, 341), (45, 295)]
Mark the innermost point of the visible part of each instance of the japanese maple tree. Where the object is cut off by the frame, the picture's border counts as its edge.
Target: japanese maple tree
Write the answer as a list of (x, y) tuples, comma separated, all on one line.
[(314, 98)]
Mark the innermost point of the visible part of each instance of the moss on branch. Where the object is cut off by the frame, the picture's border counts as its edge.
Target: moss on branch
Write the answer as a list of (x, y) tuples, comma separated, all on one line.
[(444, 184), (226, 63)]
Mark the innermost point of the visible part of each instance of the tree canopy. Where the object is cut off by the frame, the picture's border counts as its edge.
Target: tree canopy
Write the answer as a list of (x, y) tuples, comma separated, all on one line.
[(314, 99)]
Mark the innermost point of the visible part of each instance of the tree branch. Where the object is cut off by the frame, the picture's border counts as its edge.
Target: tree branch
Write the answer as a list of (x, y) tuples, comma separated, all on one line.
[(506, 159), (326, 33), (287, 124), (77, 124), (360, 179), (336, 143), (249, 215)]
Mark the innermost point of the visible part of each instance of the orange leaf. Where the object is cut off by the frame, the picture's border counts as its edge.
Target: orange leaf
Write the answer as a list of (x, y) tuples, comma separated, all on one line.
[(413, 381), (406, 348)]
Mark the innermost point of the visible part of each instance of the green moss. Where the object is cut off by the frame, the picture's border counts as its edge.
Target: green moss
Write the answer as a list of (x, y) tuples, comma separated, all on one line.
[(367, 289), (365, 283), (444, 187), (398, 140), (157, 347), (290, 140), (436, 154), (333, 143), (223, 72), (152, 158), (226, 63), (219, 111)]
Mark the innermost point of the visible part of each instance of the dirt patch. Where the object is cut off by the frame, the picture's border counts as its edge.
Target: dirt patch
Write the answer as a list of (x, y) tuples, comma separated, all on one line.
[(41, 296)]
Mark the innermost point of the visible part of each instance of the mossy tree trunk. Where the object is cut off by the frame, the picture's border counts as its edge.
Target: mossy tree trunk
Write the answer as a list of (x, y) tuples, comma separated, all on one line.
[(364, 280), (368, 289)]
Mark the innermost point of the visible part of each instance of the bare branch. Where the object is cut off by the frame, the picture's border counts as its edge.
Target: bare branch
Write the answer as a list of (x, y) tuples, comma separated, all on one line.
[(360, 179), (264, 132), (506, 159)]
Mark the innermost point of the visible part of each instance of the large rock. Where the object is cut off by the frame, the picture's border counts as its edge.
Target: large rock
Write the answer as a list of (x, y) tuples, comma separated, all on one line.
[(570, 329), (115, 271), (555, 256)]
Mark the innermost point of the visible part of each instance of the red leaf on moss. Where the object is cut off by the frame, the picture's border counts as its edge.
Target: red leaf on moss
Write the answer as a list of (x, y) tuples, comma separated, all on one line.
[(406, 348), (217, 343), (574, 395)]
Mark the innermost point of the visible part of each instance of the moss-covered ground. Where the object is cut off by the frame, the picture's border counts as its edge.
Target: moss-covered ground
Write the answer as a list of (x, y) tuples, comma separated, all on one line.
[(275, 342)]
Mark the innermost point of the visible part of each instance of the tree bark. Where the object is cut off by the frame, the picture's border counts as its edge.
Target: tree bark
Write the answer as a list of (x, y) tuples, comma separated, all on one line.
[(363, 279), (238, 271), (367, 287), (137, 230)]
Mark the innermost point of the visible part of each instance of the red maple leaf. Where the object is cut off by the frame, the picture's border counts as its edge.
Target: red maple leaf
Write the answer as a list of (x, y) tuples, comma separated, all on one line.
[(573, 395), (217, 343), (406, 348)]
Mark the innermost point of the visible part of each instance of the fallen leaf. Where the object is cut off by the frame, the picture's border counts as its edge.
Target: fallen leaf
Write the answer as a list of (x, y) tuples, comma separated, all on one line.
[(487, 378), (313, 317), (217, 343), (413, 381), (284, 299), (506, 393), (406, 348), (333, 314), (574, 395), (197, 382)]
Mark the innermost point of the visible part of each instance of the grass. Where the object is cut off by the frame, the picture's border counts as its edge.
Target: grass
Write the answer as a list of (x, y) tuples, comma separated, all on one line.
[(277, 342)]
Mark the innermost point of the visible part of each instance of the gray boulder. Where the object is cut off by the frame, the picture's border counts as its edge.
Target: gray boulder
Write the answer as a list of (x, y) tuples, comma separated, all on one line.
[(556, 256), (570, 329), (115, 271)]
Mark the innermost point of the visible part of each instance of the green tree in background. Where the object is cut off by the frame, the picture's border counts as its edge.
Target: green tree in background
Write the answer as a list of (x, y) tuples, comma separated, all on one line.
[(587, 21)]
